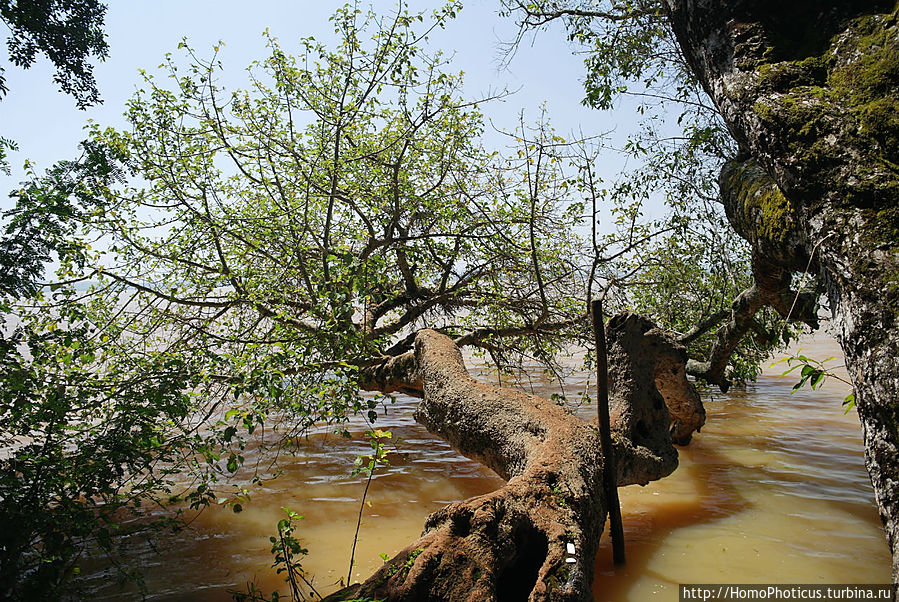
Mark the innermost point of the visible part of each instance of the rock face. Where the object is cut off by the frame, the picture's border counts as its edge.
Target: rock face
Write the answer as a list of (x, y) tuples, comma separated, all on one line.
[(515, 543), (810, 90)]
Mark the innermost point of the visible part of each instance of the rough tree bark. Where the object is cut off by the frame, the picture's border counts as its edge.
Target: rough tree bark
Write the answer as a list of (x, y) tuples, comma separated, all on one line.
[(810, 90), (511, 544)]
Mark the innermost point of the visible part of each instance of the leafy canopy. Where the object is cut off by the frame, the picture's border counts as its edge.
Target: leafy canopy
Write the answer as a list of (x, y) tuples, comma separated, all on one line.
[(68, 32), (304, 228), (255, 254), (690, 266)]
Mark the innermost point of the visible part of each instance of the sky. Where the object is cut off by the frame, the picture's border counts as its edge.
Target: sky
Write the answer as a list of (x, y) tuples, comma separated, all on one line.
[(47, 126)]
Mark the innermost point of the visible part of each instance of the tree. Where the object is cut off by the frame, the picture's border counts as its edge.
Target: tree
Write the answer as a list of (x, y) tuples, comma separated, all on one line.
[(90, 432), (339, 227), (86, 436), (808, 93), (329, 212), (68, 32), (516, 542), (284, 248), (730, 310)]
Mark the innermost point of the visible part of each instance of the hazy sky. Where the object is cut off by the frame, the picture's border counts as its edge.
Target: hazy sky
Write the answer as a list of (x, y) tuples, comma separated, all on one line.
[(47, 126)]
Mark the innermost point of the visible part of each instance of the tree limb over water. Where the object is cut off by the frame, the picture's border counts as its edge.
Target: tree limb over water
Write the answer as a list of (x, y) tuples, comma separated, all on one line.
[(512, 543), (284, 246)]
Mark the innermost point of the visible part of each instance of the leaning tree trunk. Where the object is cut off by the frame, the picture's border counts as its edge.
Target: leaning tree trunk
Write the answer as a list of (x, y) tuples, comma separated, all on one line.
[(810, 90), (513, 544)]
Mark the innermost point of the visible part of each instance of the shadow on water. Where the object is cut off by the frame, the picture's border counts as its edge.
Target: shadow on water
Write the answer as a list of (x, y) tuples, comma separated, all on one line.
[(773, 490), (707, 494)]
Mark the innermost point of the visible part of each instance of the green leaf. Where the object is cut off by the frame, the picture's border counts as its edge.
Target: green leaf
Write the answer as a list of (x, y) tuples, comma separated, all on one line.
[(818, 379), (233, 463)]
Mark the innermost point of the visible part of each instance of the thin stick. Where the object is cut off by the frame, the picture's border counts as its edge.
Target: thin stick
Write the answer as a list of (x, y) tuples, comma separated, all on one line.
[(359, 524), (609, 472)]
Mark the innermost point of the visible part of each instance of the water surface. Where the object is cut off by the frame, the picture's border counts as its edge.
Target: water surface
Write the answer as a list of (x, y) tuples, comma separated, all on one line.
[(773, 490)]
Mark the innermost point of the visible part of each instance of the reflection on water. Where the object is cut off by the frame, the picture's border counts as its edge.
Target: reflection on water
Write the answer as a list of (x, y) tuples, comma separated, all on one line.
[(773, 490)]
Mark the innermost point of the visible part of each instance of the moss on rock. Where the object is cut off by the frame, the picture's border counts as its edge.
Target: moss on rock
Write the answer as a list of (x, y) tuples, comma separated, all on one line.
[(786, 75), (867, 83)]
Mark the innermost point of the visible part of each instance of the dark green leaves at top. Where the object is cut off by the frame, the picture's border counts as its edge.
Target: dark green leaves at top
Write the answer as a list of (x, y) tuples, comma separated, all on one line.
[(68, 32), (45, 224)]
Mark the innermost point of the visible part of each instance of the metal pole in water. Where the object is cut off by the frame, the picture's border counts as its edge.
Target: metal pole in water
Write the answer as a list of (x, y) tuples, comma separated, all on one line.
[(609, 472)]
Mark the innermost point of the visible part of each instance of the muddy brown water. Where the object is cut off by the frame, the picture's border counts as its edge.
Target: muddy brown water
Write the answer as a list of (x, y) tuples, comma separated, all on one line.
[(773, 490)]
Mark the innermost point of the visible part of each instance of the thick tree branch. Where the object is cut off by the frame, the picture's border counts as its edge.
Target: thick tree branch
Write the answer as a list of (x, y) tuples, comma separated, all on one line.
[(396, 374), (704, 326), (770, 287), (513, 544)]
